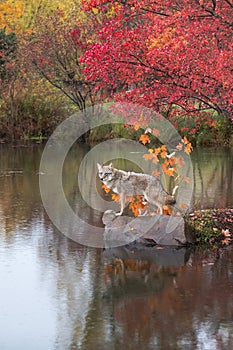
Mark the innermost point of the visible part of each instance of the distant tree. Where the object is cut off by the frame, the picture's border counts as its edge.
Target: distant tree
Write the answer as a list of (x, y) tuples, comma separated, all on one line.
[(33, 97), (8, 44), (20, 16), (169, 55), (10, 15), (54, 49)]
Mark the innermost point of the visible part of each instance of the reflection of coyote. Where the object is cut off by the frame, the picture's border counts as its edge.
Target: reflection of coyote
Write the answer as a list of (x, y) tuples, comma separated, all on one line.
[(132, 184)]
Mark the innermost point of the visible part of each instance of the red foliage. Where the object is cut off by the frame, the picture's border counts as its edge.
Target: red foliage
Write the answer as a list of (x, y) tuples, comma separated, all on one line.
[(165, 53)]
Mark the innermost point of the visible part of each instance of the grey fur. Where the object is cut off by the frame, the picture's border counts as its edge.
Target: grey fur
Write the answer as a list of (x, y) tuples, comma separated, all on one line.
[(132, 184)]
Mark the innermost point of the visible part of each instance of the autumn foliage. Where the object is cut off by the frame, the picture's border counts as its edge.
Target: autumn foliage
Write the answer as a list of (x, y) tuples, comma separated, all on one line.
[(174, 56), (169, 165), (41, 77)]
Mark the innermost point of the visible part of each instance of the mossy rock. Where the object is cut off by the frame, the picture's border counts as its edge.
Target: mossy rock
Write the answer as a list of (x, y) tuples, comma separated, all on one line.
[(211, 226)]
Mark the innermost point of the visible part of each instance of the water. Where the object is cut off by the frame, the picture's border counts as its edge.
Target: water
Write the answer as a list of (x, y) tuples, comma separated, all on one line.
[(58, 294)]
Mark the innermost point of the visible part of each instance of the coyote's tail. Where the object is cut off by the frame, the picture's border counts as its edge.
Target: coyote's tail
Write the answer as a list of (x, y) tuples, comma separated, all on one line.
[(174, 190), (170, 199)]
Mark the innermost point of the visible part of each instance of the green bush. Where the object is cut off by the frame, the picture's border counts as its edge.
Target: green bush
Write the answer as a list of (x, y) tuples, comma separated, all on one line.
[(28, 116)]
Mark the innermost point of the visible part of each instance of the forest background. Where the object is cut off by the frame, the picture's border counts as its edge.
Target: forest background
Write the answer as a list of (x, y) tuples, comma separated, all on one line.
[(57, 58)]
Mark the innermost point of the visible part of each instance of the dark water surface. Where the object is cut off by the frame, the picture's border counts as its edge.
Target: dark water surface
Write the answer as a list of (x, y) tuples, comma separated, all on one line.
[(58, 294)]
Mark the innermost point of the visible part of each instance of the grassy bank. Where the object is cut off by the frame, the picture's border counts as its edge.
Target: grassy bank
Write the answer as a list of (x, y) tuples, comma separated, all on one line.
[(30, 115)]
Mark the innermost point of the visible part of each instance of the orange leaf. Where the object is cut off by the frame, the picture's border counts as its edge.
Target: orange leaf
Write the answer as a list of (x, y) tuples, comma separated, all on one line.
[(156, 172), (226, 241), (183, 205), (115, 197), (179, 160), (151, 156), (163, 154), (171, 161), (136, 204), (155, 159), (148, 156), (163, 148), (144, 139), (167, 210), (106, 188), (188, 148), (185, 140), (168, 171)]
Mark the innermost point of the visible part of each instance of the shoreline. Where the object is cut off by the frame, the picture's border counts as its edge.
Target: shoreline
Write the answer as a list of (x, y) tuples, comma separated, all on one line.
[(211, 226)]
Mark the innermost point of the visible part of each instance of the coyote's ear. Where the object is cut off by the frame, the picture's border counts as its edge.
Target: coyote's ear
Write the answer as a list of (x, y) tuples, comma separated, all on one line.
[(99, 166), (110, 165)]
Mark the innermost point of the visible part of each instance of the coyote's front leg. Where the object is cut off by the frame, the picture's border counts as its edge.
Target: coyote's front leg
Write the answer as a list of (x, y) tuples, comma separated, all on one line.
[(122, 202)]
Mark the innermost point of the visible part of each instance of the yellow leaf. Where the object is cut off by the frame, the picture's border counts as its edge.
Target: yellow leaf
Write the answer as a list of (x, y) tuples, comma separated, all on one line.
[(137, 126), (106, 188), (188, 148), (95, 10)]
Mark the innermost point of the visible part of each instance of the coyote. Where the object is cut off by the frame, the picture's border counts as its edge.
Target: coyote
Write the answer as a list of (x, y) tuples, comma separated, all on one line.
[(132, 184)]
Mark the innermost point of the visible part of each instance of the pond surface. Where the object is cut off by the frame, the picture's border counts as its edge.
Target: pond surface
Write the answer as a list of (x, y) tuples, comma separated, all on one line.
[(58, 294)]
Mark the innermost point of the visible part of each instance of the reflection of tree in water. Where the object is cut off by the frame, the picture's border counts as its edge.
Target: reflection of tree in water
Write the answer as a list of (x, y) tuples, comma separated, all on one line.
[(84, 315), (130, 301), (19, 192), (188, 303)]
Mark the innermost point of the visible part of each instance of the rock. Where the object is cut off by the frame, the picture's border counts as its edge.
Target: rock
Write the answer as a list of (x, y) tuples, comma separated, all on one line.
[(161, 229)]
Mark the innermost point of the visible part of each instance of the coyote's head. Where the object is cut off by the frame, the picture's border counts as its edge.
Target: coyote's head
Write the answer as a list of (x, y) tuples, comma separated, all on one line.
[(106, 172)]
